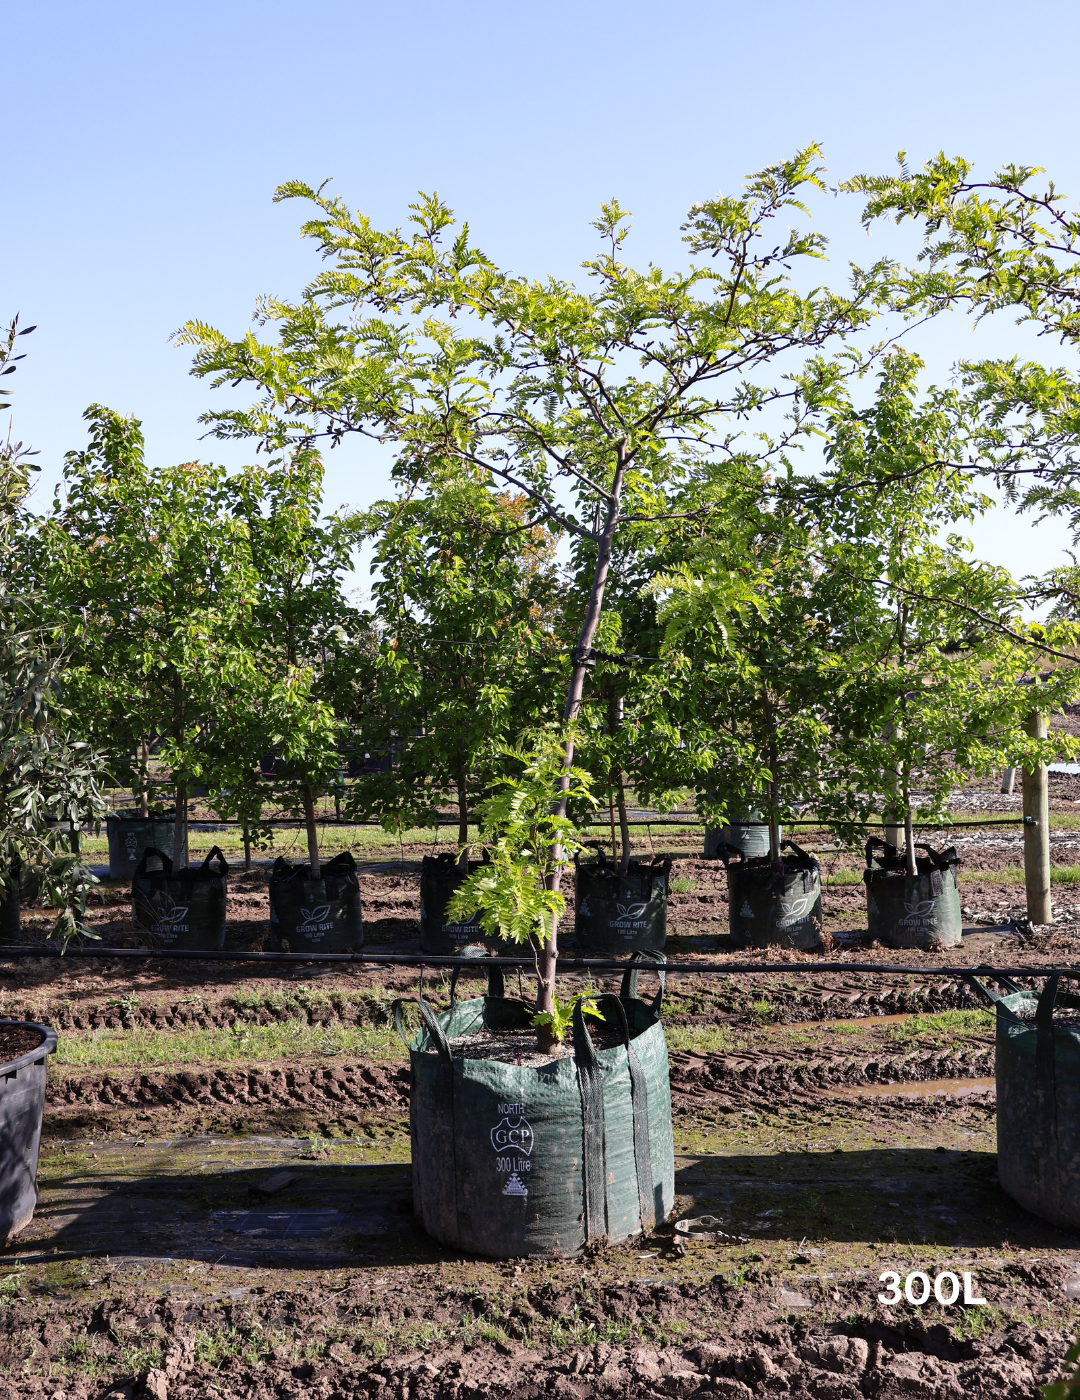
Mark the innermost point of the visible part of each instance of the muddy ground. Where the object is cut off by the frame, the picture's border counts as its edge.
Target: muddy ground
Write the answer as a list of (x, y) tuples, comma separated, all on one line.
[(840, 1124)]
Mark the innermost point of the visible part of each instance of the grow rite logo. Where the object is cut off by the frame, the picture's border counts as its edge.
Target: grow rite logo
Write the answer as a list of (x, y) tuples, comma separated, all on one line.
[(920, 915), (629, 918), (794, 911), (170, 916), (315, 920)]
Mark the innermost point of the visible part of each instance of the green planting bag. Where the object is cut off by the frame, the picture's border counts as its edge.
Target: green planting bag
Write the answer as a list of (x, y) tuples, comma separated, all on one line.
[(511, 1160), (912, 911), (773, 906), (184, 908), (1038, 1100), (616, 913)]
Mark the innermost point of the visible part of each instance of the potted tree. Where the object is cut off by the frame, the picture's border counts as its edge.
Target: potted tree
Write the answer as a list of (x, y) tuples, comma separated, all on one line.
[(598, 407), (302, 634), (935, 658)]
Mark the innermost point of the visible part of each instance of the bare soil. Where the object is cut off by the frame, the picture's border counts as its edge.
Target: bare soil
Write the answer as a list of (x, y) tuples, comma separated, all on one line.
[(840, 1124)]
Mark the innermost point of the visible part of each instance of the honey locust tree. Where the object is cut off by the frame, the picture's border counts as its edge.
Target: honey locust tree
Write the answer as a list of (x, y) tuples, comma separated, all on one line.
[(595, 402), (466, 594)]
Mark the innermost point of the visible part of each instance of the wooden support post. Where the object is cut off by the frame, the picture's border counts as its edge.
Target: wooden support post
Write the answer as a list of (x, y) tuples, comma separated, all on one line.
[(1037, 830), (1008, 780)]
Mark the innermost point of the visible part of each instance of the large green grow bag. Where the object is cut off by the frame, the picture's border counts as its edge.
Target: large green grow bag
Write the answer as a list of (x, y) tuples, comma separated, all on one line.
[(130, 835), (912, 911), (750, 835), (616, 913), (183, 908), (315, 916), (510, 1160), (1038, 1101), (774, 905), (439, 878)]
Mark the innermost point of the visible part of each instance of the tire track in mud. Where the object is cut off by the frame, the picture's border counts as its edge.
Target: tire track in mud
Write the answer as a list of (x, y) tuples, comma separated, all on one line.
[(698, 1079), (362, 1088)]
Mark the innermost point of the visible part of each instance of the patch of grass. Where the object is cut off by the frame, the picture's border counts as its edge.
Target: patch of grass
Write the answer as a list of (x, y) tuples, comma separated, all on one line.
[(700, 1040), (844, 877), (939, 1028), (1014, 875), (144, 1047), (683, 884), (761, 1012), (1065, 874)]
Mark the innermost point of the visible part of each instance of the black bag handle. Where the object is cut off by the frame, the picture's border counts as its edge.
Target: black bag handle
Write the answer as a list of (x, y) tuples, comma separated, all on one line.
[(431, 1025), (725, 851), (791, 846), (342, 864), (223, 871), (166, 863), (1011, 988), (874, 843), (629, 989), (496, 985)]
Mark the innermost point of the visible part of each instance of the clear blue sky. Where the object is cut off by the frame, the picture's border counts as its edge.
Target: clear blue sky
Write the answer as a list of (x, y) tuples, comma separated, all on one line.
[(144, 141)]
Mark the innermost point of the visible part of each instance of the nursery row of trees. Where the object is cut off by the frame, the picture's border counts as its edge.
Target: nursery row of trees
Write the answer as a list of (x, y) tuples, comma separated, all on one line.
[(604, 543)]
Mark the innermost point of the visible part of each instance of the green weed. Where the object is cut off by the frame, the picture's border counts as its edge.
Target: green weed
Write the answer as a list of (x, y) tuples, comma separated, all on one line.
[(700, 1040), (144, 1046), (943, 1026), (683, 884)]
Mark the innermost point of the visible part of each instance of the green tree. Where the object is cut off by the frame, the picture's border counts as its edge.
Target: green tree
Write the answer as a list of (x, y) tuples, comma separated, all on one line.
[(49, 779), (160, 572), (595, 404), (466, 603), (308, 642)]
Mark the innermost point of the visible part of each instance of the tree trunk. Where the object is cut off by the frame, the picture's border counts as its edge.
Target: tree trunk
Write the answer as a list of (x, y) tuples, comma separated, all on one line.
[(549, 958), (773, 794), (615, 715), (312, 832), (909, 839), (1037, 830), (178, 829), (144, 795), (463, 824), (247, 845)]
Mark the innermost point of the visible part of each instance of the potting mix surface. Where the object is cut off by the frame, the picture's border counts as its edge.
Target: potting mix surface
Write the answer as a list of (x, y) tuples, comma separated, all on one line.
[(226, 1208)]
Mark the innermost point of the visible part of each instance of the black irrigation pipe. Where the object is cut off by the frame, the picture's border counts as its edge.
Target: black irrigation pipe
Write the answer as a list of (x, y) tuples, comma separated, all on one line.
[(478, 965), (196, 822)]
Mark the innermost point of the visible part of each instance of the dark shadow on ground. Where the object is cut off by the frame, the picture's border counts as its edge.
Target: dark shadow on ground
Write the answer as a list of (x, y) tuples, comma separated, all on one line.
[(185, 1201), (887, 1195)]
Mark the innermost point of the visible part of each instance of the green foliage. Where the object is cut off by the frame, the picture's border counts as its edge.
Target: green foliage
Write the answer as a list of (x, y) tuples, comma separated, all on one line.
[(525, 841), (49, 778), (561, 1016), (466, 611)]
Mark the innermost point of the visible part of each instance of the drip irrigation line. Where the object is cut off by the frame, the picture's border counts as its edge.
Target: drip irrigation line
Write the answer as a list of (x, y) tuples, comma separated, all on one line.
[(478, 965)]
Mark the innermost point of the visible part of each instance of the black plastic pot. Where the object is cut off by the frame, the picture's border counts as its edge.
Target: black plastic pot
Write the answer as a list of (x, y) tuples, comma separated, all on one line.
[(131, 835), (22, 1103), (511, 1161), (912, 911), (774, 906), (315, 916), (616, 913), (184, 908), (1038, 1101), (439, 878)]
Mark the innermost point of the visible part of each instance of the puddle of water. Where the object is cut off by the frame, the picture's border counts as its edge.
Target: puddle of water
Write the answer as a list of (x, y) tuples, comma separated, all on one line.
[(913, 1089), (862, 1022)]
